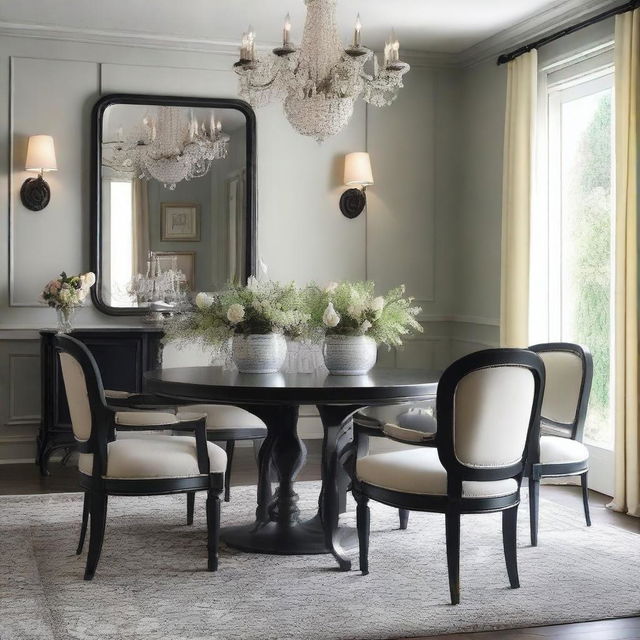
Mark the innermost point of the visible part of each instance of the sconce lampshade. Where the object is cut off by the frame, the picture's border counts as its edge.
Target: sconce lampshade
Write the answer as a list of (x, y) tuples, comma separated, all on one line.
[(357, 169), (41, 154)]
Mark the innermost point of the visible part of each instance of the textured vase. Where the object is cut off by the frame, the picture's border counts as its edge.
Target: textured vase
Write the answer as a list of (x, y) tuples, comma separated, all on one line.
[(259, 353), (349, 355), (65, 319)]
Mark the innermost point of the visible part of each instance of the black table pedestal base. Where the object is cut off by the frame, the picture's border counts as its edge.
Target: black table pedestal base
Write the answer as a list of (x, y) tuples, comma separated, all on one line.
[(303, 538)]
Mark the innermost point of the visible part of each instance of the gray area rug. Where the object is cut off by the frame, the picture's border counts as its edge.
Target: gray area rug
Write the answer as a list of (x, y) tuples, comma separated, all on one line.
[(151, 583)]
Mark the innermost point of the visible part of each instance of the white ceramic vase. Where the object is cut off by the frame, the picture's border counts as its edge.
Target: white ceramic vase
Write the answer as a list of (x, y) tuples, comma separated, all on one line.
[(349, 355), (259, 353)]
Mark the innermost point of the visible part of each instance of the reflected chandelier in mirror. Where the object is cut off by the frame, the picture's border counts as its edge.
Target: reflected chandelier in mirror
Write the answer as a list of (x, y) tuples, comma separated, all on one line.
[(168, 145), (173, 200)]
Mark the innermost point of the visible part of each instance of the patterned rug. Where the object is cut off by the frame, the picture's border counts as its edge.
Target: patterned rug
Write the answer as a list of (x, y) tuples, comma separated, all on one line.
[(151, 583)]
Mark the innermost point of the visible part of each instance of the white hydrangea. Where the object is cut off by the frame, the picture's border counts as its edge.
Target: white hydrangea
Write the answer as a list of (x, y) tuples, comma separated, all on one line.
[(235, 313), (377, 304), (203, 300), (356, 309)]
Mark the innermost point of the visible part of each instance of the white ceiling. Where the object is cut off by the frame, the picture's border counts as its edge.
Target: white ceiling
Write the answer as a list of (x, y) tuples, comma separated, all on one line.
[(447, 26)]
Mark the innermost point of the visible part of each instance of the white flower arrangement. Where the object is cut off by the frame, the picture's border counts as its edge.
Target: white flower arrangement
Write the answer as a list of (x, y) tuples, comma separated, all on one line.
[(353, 309), (262, 307), (66, 291), (259, 308)]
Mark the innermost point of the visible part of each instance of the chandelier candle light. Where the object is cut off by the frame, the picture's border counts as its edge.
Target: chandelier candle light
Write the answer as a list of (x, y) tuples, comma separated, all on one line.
[(320, 81)]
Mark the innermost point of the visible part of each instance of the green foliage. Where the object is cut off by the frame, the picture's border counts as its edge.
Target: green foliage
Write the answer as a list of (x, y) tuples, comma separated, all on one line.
[(269, 307), (352, 308), (258, 308), (589, 256)]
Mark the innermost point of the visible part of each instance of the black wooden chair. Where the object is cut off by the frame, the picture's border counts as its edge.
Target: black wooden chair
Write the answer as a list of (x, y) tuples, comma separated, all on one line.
[(369, 423), (133, 466), (560, 452), (488, 411)]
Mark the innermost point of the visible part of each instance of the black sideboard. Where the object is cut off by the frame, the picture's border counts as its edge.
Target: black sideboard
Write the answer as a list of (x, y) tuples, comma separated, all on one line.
[(123, 356)]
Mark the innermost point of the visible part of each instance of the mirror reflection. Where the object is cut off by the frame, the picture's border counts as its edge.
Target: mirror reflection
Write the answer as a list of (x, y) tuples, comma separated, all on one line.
[(173, 188)]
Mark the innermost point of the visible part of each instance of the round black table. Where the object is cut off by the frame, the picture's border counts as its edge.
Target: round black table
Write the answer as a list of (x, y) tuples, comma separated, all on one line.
[(275, 399)]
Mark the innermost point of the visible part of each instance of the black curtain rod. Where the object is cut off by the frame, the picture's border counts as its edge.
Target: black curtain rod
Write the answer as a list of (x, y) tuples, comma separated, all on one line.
[(628, 6)]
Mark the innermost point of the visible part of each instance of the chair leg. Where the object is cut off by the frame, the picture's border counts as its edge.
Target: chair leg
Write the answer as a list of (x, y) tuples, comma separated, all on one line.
[(97, 520), (534, 500), (85, 520), (231, 445), (363, 519), (585, 498), (509, 543), (191, 503), (404, 518), (452, 527), (213, 529)]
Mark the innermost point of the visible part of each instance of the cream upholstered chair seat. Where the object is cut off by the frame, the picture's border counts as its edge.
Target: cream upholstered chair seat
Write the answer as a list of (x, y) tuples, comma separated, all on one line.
[(419, 471), (221, 416), (558, 450), (154, 457)]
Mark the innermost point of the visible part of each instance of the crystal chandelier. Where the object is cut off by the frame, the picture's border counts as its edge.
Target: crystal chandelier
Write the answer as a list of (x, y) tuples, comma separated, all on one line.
[(320, 81), (170, 147)]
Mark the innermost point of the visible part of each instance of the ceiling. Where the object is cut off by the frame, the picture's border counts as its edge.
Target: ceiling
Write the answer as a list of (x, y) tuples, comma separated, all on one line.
[(445, 26)]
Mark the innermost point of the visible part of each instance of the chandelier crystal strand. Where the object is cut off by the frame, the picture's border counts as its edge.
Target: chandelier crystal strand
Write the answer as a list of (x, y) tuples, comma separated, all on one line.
[(320, 82), (170, 147)]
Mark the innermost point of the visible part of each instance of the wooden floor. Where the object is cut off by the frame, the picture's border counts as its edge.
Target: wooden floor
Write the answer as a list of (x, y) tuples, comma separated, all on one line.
[(20, 479)]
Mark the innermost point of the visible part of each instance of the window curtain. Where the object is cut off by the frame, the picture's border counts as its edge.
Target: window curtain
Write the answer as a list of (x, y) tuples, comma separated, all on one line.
[(517, 191), (627, 103), (140, 223)]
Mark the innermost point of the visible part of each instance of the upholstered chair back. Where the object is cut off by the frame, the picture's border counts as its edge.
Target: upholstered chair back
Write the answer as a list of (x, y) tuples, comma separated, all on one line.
[(569, 370), (82, 383), (487, 405)]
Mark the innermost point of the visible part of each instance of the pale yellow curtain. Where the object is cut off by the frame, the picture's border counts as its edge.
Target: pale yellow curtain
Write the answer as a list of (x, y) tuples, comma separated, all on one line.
[(627, 103), (140, 222), (517, 191)]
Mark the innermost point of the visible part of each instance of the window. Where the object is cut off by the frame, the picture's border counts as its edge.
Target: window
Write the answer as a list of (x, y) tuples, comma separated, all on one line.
[(121, 228), (572, 230)]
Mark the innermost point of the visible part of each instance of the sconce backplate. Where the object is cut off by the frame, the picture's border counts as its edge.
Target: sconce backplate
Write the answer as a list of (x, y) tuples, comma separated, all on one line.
[(352, 202), (35, 194)]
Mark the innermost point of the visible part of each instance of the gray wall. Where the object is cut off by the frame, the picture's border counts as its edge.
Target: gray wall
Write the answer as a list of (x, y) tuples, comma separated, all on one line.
[(51, 84), (433, 219)]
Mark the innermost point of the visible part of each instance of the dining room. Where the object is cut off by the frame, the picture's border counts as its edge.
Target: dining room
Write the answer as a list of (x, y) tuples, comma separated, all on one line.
[(319, 320)]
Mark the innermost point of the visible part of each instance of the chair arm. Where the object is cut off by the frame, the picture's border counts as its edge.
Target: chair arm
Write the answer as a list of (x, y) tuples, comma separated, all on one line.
[(198, 424), (409, 436), (130, 400)]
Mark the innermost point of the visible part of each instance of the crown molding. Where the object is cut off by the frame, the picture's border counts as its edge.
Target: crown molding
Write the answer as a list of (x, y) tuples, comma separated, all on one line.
[(118, 38), (554, 18), (175, 43)]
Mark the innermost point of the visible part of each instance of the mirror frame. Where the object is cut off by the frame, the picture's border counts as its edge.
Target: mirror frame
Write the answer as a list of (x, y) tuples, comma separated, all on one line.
[(97, 116)]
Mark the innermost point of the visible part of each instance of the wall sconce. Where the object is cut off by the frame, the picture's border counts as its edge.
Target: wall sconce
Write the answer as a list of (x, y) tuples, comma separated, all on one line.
[(357, 171), (41, 156)]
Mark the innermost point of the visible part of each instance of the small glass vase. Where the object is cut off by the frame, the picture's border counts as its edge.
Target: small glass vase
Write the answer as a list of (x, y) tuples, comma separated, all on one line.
[(65, 319)]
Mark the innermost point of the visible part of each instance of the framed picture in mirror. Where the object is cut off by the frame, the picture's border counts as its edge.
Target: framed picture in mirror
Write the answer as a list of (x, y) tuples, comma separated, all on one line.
[(180, 221)]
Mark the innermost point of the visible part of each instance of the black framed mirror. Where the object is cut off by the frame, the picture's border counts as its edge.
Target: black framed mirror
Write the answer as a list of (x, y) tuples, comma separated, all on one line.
[(173, 199)]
